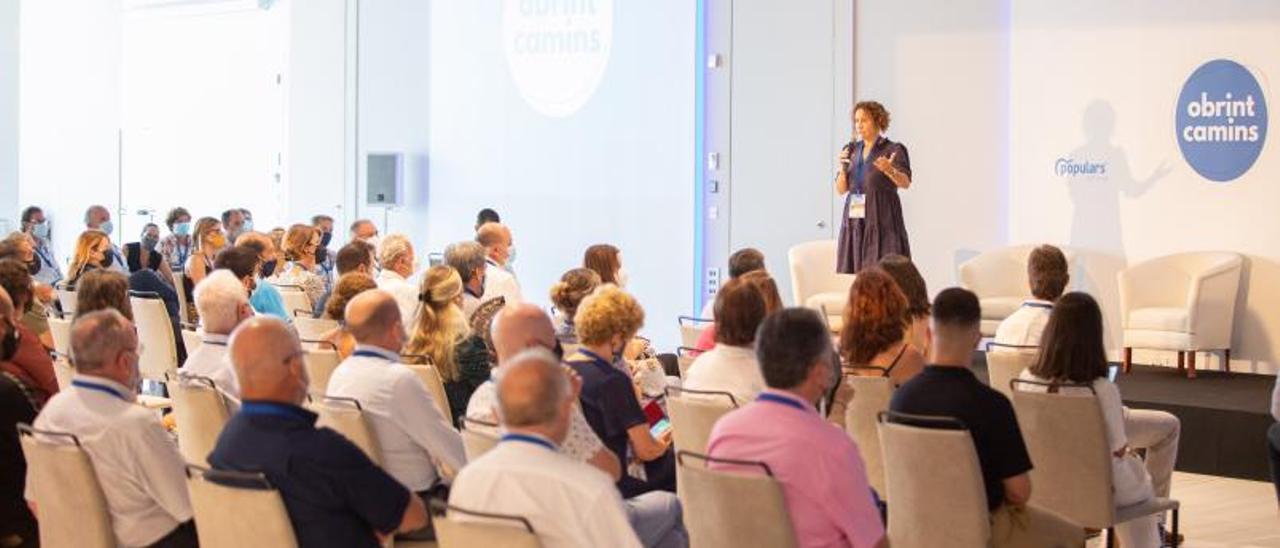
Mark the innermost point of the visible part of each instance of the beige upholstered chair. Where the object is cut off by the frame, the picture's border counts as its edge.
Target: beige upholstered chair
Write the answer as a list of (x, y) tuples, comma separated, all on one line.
[(999, 278), (691, 329), (295, 300), (733, 509), (179, 286), (1005, 363), (685, 355), (60, 329), (814, 281), (693, 414), (191, 338), (478, 437), (313, 328), (932, 468), (346, 416), (871, 397), (68, 300), (237, 510), (73, 510), (159, 354), (200, 412), (460, 528), (1067, 440), (1183, 303), (320, 365), (430, 378)]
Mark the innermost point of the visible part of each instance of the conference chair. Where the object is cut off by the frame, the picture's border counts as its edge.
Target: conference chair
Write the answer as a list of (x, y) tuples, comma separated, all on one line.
[(237, 509), (200, 411), (461, 528), (320, 365), (191, 339), (693, 414), (431, 379), (729, 509), (63, 371), (295, 299), (60, 329), (691, 329), (999, 278), (67, 299), (685, 355), (871, 397), (179, 286), (346, 416), (60, 476), (1183, 303), (312, 328), (931, 467), (1006, 362), (814, 280), (478, 437), (158, 352), (1066, 438)]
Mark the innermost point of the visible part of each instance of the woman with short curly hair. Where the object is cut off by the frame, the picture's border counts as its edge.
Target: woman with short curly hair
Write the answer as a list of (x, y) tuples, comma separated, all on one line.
[(870, 171), (566, 295)]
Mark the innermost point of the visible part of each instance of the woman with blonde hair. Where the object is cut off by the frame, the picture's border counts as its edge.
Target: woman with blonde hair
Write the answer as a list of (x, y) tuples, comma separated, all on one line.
[(440, 337), (300, 270), (207, 241), (93, 250), (566, 295)]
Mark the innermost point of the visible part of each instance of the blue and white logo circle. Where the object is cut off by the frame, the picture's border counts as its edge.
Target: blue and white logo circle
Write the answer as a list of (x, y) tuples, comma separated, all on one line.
[(1221, 120)]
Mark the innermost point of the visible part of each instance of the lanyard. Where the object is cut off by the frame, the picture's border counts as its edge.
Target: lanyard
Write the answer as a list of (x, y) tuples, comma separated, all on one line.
[(100, 388), (774, 398), (43, 253), (596, 358), (1045, 306), (371, 354), (528, 439)]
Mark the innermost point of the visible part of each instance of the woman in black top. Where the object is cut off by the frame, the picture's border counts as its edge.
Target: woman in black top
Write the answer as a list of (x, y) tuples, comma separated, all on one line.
[(142, 254)]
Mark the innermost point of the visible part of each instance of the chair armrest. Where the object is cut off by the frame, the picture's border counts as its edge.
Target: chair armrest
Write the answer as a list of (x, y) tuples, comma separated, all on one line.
[(1211, 301)]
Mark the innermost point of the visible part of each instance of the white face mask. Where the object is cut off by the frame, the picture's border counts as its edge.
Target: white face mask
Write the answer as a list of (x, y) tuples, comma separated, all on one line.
[(622, 277), (374, 241)]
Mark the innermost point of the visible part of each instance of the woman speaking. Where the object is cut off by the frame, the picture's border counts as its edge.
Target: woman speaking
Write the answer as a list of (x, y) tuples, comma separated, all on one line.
[(871, 171)]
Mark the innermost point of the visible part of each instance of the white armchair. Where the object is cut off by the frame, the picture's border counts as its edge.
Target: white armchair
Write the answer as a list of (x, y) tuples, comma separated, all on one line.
[(814, 281), (999, 278), (1184, 303)]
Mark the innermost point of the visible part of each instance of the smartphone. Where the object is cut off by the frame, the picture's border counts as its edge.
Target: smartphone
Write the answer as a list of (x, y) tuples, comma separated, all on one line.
[(660, 428)]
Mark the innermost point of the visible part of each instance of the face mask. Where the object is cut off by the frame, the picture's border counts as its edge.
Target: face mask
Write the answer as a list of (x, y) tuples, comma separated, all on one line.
[(182, 229), (268, 268), (150, 243), (33, 267), (107, 260), (325, 238), (246, 226), (9, 347), (322, 254), (374, 241), (622, 277), (41, 230), (217, 241), (107, 227)]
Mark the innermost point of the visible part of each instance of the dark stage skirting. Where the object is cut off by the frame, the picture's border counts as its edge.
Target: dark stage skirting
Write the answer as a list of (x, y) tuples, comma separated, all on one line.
[(1224, 416)]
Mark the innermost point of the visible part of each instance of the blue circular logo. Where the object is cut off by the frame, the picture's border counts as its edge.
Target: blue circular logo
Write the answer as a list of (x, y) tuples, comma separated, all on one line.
[(1221, 120)]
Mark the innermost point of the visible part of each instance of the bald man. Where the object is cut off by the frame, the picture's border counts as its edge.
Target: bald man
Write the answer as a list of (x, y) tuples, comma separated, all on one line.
[(500, 253), (569, 503), (412, 434), (334, 494)]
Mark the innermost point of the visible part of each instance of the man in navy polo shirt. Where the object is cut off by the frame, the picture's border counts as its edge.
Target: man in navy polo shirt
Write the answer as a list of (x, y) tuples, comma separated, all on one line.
[(334, 494)]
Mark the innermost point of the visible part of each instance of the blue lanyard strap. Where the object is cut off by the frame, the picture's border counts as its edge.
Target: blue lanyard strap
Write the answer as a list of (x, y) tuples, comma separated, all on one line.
[(1045, 306), (528, 439), (774, 398), (370, 354), (100, 388), (595, 357)]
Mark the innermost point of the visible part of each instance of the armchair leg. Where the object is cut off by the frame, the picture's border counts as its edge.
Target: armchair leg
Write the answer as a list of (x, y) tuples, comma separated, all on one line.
[(1191, 364), (1111, 537), (1182, 360), (1128, 359), (1226, 360)]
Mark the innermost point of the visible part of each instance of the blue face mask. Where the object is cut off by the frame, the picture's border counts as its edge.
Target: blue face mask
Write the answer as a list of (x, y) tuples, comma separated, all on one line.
[(41, 230), (182, 229), (107, 227), (247, 226)]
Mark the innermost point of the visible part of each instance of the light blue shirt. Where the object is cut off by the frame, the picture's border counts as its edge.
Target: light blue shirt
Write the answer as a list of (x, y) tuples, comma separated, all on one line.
[(266, 299)]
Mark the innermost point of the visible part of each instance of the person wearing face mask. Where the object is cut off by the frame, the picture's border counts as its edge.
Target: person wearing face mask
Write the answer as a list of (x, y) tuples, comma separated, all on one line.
[(143, 477), (35, 224), (21, 353), (468, 258), (324, 255), (364, 230), (606, 260), (247, 261), (176, 247), (235, 223), (99, 218), (144, 254), (500, 253), (18, 246), (300, 244), (440, 336), (208, 240), (606, 322)]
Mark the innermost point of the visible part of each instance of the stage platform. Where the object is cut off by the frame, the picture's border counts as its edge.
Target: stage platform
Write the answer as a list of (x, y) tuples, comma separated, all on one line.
[(1224, 416)]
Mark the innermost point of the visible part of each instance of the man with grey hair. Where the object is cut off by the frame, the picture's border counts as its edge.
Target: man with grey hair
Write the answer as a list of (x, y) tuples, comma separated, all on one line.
[(99, 218), (222, 303), (499, 249), (395, 254), (136, 461), (468, 258), (567, 502)]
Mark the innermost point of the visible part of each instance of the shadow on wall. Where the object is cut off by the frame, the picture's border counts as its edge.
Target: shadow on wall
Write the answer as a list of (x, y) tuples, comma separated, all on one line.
[(1097, 273)]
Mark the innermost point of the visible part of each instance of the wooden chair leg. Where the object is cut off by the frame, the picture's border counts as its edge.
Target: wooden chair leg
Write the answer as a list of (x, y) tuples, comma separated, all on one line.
[(1111, 537), (1226, 360), (1127, 364), (1191, 364), (1182, 360)]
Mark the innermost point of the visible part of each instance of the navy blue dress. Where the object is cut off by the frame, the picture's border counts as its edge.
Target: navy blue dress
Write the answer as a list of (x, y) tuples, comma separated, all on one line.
[(863, 242)]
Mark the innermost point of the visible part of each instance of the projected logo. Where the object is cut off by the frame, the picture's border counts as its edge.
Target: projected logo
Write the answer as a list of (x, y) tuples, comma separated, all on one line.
[(1071, 167), (1221, 120), (557, 50)]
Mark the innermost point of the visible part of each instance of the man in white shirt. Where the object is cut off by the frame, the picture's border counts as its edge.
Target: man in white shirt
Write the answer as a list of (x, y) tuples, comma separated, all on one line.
[(731, 366), (414, 437), (397, 260), (568, 503), (1047, 273), (468, 258), (500, 279), (136, 461), (222, 303)]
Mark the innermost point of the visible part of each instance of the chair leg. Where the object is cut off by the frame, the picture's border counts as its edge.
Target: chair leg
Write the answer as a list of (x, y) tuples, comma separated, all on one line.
[(1191, 364), (1111, 537), (1226, 360), (1176, 543), (1182, 360), (1128, 359)]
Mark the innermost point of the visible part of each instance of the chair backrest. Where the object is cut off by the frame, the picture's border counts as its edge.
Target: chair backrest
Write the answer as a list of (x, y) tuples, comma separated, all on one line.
[(320, 365), (813, 271), (179, 286), (346, 416), (726, 509), (931, 467), (191, 339), (478, 437), (871, 397), (313, 328), (1000, 272), (461, 528), (691, 329), (435, 386), (1067, 440), (200, 412), (159, 354), (67, 298), (73, 510), (62, 370), (294, 299), (694, 413), (60, 329), (237, 509), (685, 356), (1005, 363)]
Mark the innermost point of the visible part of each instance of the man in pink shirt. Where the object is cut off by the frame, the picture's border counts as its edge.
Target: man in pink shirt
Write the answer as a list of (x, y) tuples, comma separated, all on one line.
[(823, 478)]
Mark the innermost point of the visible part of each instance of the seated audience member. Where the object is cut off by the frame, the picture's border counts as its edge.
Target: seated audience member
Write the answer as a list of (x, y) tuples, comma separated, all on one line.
[(468, 259), (876, 327), (823, 477), (142, 254), (1048, 277), (349, 285), (99, 218), (34, 315), (742, 261), (568, 503), (17, 524), (482, 325), (223, 304), (102, 289), (500, 254), (324, 256), (264, 297), (176, 247), (909, 280), (411, 432), (606, 321), (300, 270), (277, 240), (137, 463), (948, 388), (234, 223), (395, 256), (38, 227), (92, 251), (763, 283), (208, 240), (334, 494), (439, 336), (1072, 351), (485, 216), (356, 256), (606, 260), (363, 230), (731, 366), (566, 295), (22, 357)]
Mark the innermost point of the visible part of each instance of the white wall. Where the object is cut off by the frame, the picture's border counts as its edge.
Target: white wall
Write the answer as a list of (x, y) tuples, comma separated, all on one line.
[(318, 160), (9, 207)]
